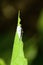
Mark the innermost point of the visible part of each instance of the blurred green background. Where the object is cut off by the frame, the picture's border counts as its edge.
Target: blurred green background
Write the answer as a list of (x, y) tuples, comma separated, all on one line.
[(32, 33)]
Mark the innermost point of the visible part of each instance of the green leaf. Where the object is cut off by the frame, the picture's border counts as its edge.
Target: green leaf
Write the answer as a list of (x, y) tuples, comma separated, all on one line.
[(18, 57), (2, 62)]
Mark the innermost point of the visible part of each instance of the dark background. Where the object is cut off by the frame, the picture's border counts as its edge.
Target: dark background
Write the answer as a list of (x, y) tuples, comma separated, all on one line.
[(30, 12)]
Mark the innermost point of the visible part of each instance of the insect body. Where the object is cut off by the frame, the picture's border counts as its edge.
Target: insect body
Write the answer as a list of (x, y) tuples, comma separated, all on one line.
[(20, 31)]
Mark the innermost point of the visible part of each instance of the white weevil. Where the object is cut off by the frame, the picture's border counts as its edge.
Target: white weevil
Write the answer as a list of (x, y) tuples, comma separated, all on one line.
[(19, 28)]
